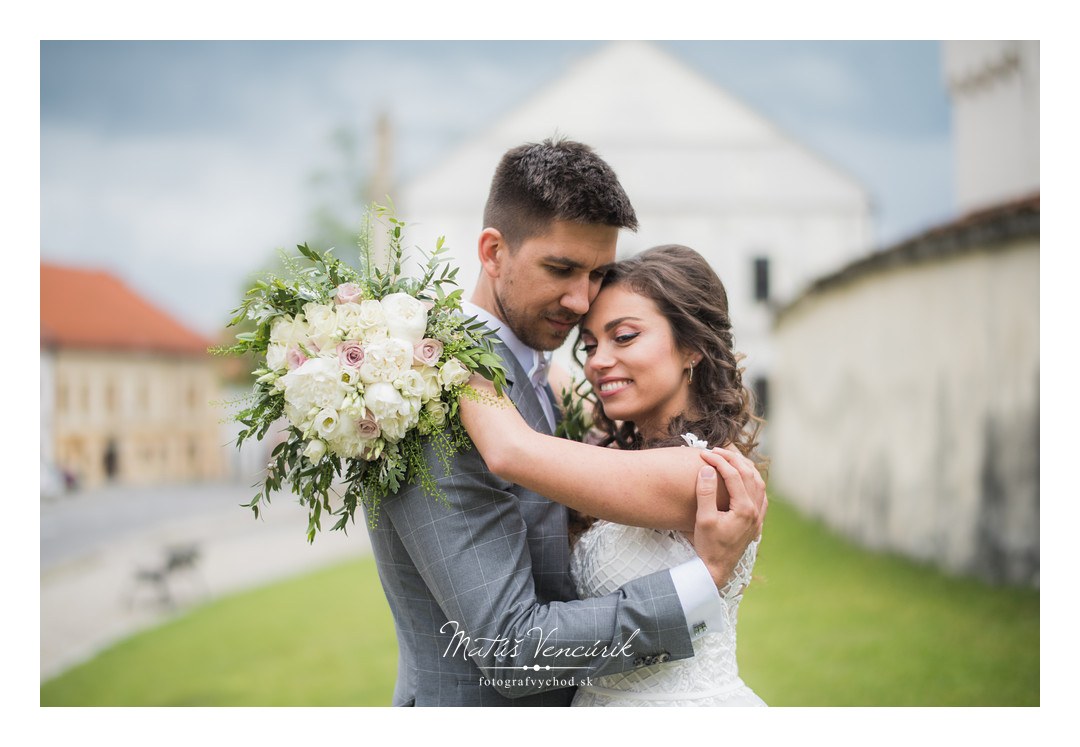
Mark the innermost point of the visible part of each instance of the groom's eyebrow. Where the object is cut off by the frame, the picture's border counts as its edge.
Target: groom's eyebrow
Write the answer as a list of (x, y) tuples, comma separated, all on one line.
[(573, 264)]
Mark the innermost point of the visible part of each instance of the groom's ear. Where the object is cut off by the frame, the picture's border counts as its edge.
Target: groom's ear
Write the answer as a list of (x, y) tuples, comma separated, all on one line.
[(491, 249)]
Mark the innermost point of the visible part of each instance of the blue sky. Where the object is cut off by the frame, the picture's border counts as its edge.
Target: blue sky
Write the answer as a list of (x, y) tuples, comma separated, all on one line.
[(184, 164)]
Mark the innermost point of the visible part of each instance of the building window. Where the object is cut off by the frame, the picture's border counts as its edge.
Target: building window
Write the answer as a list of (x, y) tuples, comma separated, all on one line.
[(761, 279), (761, 396)]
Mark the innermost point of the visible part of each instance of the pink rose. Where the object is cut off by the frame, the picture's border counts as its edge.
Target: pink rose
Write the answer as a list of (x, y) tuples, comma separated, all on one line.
[(367, 428), (427, 351), (294, 358), (350, 354), (348, 293)]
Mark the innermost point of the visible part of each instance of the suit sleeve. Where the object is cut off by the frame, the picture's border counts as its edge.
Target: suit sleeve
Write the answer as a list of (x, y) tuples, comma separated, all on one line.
[(473, 556)]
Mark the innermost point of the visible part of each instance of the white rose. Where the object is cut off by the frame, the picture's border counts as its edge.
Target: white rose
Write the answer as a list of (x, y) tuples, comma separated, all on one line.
[(312, 387), (345, 441), (386, 360), (406, 317), (432, 385), (437, 411), (383, 400), (288, 331), (275, 356), (315, 450), (362, 321), (412, 384), (453, 373), (322, 325)]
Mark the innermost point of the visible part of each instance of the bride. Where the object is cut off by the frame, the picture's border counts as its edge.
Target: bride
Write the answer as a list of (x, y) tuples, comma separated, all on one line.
[(659, 356)]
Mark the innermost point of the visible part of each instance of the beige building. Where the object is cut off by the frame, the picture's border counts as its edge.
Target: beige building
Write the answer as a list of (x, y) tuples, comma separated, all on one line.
[(126, 390), (906, 395)]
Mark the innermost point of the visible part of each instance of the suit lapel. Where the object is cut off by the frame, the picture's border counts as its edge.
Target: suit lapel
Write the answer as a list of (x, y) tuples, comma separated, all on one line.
[(522, 393)]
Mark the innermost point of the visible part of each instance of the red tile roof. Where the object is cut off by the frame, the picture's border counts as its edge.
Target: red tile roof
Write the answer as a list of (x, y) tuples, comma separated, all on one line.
[(93, 309)]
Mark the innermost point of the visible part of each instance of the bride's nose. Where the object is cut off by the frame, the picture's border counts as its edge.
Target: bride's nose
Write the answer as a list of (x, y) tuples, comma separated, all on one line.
[(601, 359)]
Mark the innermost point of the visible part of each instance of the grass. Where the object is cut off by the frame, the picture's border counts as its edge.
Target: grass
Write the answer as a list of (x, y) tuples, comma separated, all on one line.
[(324, 639), (824, 623), (827, 624)]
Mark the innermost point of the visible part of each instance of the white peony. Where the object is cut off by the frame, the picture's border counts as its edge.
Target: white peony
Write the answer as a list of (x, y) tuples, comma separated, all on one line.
[(406, 317), (386, 360), (312, 387), (453, 373), (394, 428), (364, 321), (384, 401)]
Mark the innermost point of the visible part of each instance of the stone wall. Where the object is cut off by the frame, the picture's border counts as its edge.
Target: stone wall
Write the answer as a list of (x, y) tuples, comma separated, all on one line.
[(906, 400)]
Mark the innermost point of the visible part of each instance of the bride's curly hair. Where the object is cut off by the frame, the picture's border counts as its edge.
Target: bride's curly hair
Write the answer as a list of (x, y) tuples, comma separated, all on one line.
[(691, 297)]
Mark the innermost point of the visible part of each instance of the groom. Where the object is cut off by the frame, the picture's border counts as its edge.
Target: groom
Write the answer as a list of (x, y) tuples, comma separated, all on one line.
[(484, 607)]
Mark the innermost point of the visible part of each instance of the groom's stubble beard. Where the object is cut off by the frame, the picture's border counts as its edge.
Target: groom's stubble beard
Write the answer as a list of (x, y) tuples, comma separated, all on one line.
[(528, 327)]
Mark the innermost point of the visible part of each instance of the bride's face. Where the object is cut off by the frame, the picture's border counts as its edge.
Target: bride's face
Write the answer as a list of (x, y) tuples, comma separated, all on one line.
[(632, 361)]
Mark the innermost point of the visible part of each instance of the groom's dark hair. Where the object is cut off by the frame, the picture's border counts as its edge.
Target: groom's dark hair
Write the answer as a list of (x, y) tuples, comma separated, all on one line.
[(538, 183)]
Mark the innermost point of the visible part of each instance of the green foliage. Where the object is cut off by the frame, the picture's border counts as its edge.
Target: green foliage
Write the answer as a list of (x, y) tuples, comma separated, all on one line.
[(576, 421)]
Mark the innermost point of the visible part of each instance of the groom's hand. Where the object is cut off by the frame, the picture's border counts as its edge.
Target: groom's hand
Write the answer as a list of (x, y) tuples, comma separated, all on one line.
[(721, 537)]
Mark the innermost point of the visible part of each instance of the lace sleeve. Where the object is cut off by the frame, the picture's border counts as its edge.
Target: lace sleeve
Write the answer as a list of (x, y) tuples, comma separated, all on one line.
[(740, 577)]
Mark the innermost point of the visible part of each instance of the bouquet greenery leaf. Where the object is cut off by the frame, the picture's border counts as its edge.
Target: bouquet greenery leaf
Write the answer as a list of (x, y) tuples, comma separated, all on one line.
[(364, 366)]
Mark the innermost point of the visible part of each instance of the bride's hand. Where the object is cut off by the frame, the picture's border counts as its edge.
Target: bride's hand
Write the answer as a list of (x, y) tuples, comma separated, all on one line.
[(752, 482)]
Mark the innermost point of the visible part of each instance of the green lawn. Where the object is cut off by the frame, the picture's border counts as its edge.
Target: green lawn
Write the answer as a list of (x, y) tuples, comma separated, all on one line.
[(323, 639), (823, 624)]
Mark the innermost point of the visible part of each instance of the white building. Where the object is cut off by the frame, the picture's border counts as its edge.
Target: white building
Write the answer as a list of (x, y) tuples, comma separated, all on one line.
[(700, 167), (994, 87)]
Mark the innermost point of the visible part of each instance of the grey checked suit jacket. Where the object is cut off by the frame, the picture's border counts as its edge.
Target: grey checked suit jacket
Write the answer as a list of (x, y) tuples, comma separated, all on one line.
[(493, 568)]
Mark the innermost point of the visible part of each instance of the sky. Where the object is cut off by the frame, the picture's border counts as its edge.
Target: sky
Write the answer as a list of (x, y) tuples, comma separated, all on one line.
[(184, 165)]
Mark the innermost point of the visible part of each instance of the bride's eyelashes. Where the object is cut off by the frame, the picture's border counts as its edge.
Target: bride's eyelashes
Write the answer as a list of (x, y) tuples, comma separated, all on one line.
[(590, 347)]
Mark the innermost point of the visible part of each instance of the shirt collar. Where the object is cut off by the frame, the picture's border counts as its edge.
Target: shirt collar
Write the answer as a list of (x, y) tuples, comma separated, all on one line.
[(533, 362)]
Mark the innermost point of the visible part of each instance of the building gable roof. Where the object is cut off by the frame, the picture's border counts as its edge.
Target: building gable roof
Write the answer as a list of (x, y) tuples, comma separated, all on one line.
[(93, 309), (663, 125)]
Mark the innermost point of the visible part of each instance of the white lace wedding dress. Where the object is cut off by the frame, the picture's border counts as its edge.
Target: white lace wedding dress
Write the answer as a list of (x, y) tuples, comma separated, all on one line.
[(608, 555)]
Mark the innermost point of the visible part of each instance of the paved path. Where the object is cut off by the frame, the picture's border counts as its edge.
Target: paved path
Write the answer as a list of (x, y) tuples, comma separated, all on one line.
[(93, 544)]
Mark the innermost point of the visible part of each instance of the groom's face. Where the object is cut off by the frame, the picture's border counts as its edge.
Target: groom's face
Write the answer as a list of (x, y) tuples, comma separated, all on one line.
[(545, 284)]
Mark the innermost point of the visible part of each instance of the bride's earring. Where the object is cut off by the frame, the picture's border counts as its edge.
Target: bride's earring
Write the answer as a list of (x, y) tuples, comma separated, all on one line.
[(691, 379)]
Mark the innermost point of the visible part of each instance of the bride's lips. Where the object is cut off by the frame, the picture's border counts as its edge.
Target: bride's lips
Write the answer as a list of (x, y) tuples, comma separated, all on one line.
[(609, 386)]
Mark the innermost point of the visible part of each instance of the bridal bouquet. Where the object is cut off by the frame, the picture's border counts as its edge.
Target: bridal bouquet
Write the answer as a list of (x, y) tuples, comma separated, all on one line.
[(365, 365)]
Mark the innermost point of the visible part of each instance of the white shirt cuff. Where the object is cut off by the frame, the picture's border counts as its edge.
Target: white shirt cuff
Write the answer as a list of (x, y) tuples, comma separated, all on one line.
[(701, 603)]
